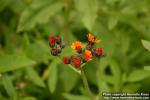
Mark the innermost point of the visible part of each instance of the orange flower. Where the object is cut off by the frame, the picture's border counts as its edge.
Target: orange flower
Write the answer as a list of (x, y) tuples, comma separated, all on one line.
[(76, 45), (92, 39), (87, 55)]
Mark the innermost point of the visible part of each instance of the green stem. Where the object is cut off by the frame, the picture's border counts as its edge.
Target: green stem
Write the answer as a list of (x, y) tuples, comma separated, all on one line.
[(76, 70), (86, 85)]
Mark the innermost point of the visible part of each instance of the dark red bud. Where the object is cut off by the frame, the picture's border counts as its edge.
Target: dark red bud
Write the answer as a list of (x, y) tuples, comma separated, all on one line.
[(66, 60), (93, 51), (71, 57), (54, 52), (98, 52), (79, 49), (58, 39), (79, 56), (89, 46), (52, 41)]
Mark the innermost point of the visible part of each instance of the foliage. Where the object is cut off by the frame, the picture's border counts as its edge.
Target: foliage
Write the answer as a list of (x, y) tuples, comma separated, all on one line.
[(29, 72), (146, 45)]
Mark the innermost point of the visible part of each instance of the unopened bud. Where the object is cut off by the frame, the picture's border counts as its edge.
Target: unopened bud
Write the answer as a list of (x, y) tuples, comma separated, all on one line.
[(58, 39), (54, 52)]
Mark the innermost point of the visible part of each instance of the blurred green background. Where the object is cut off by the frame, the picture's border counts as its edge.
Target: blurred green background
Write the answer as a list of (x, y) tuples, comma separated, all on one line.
[(29, 72)]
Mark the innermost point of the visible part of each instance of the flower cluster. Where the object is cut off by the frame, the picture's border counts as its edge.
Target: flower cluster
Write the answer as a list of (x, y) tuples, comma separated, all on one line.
[(85, 51), (76, 61), (56, 45)]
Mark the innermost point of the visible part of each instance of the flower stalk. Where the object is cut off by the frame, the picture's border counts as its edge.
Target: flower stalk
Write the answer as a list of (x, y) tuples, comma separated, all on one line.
[(86, 85), (76, 70)]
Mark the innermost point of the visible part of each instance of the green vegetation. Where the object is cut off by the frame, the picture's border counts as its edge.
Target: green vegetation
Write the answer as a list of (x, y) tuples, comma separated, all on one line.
[(29, 72)]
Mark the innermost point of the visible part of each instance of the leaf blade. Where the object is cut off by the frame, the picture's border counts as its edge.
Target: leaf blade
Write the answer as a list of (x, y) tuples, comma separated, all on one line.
[(88, 15), (53, 76), (14, 61), (35, 77), (8, 85), (31, 17), (146, 44), (147, 67), (138, 75)]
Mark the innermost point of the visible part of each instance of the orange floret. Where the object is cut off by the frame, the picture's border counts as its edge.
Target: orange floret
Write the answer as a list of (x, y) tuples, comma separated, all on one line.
[(87, 55), (92, 39), (76, 45)]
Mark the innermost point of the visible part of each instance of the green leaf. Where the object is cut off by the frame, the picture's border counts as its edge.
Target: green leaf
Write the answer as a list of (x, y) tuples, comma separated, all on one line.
[(35, 77), (3, 98), (32, 51), (90, 71), (8, 85), (3, 4), (100, 80), (138, 75), (147, 67), (75, 97), (111, 1), (88, 9), (113, 78), (38, 15), (115, 68), (146, 44), (28, 98), (38, 51), (14, 61), (71, 75), (112, 22), (25, 41), (53, 76), (18, 6), (132, 87)]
